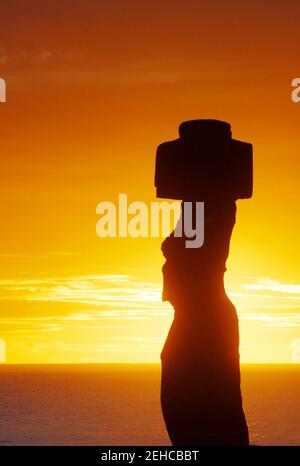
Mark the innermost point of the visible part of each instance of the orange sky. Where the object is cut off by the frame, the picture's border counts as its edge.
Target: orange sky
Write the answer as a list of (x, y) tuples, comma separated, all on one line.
[(92, 89)]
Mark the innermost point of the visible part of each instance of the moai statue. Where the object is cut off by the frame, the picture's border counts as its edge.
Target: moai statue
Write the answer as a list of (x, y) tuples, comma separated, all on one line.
[(200, 383)]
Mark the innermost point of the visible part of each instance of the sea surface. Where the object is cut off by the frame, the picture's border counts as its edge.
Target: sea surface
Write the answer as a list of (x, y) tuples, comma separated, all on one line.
[(119, 404)]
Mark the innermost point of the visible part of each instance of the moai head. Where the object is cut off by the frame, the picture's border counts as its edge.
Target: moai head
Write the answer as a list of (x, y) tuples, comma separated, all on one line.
[(205, 162)]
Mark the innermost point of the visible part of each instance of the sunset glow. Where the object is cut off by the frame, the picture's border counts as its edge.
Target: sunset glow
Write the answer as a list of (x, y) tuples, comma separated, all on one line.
[(91, 91)]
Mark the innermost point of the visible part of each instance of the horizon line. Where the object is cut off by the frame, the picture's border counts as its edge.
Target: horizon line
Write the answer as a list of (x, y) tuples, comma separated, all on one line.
[(294, 364)]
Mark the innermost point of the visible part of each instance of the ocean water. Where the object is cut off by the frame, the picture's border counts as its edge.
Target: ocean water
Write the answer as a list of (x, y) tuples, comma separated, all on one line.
[(119, 405)]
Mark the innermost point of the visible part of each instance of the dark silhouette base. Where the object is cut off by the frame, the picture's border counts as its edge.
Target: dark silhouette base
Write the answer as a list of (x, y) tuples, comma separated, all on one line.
[(200, 384)]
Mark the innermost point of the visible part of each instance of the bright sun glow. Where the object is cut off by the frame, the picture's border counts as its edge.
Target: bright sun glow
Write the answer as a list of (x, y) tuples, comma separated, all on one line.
[(113, 318)]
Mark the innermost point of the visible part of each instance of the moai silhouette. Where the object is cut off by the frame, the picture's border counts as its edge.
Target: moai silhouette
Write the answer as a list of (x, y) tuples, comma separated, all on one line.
[(200, 381)]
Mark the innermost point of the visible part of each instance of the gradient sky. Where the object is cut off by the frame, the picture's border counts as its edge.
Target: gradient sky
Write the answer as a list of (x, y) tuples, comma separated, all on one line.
[(92, 88)]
